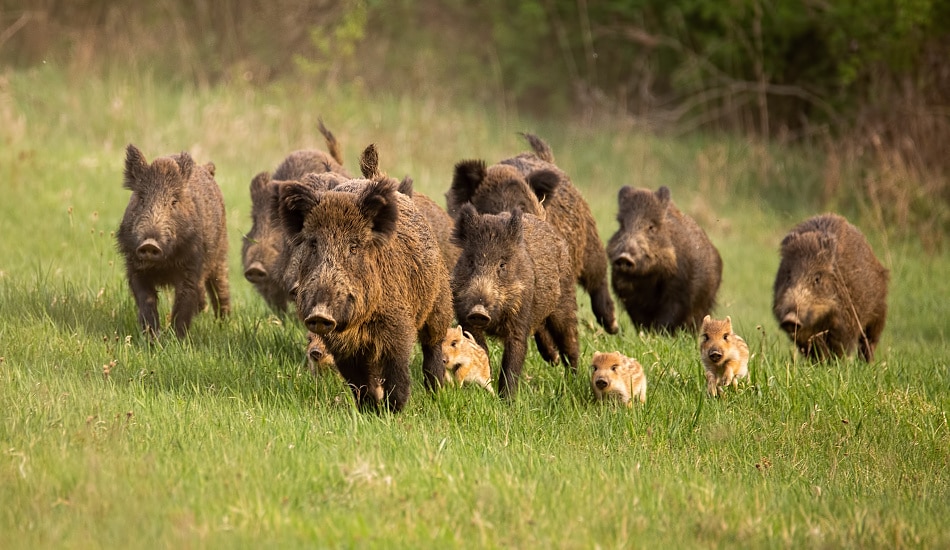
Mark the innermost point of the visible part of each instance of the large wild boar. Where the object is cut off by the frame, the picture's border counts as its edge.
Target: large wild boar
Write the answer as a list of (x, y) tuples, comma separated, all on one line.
[(173, 234), (830, 292), (514, 279), (534, 183), (264, 243), (370, 281), (665, 270)]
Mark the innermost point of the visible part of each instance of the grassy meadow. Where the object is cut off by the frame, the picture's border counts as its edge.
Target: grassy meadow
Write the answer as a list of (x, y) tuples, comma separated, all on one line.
[(225, 440)]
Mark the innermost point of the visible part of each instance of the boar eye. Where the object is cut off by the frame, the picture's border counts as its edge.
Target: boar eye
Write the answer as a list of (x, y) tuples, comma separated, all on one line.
[(502, 266), (294, 290), (354, 248), (818, 279)]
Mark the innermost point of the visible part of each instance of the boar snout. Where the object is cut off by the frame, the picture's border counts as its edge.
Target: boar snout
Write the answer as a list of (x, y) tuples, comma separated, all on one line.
[(149, 250), (791, 323), (320, 320), (478, 317), (624, 261), (601, 383), (256, 273)]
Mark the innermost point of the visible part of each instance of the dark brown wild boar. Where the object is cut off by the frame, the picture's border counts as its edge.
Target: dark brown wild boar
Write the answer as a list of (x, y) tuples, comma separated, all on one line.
[(532, 182), (513, 279), (665, 270), (264, 243), (830, 292), (173, 234), (370, 281)]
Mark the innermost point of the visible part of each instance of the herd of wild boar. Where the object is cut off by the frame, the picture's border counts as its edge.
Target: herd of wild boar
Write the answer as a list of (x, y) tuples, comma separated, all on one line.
[(372, 267)]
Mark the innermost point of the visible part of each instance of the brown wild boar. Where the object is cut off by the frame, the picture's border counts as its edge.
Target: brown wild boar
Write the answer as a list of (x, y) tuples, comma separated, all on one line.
[(264, 243), (830, 293), (725, 355), (369, 279), (535, 184), (665, 270), (465, 361), (513, 279), (616, 376), (173, 234)]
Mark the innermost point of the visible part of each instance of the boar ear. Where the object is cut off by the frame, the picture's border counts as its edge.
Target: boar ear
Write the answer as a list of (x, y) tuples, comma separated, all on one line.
[(211, 168), (405, 186), (379, 204), (260, 194), (135, 167), (469, 174), (295, 200), (515, 225), (186, 165), (543, 183), (317, 181), (466, 220), (369, 162), (663, 195), (625, 193)]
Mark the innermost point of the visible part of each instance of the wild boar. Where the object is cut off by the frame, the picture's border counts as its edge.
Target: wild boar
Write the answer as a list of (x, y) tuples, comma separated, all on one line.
[(664, 268), (370, 281), (535, 184), (173, 234), (513, 279), (264, 243), (830, 293)]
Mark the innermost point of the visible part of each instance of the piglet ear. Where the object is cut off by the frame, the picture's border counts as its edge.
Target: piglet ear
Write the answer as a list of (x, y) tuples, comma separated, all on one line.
[(294, 202), (828, 245), (706, 319), (543, 183), (369, 162), (378, 203), (186, 165), (135, 167), (468, 176), (467, 216), (663, 195)]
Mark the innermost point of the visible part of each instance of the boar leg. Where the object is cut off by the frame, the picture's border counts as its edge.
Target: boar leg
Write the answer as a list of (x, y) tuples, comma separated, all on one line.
[(603, 306), (870, 338), (188, 300), (512, 361), (564, 328), (395, 370), (546, 345), (356, 375), (218, 291), (146, 298)]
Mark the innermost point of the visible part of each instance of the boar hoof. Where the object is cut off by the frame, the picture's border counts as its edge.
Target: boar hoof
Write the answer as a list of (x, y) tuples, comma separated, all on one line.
[(256, 273), (624, 261), (149, 250), (320, 321), (478, 316)]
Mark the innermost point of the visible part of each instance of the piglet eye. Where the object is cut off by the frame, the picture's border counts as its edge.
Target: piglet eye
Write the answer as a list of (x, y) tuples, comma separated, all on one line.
[(725, 337), (614, 368)]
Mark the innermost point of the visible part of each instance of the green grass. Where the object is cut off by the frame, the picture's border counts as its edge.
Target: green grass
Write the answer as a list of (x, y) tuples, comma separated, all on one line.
[(225, 440)]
